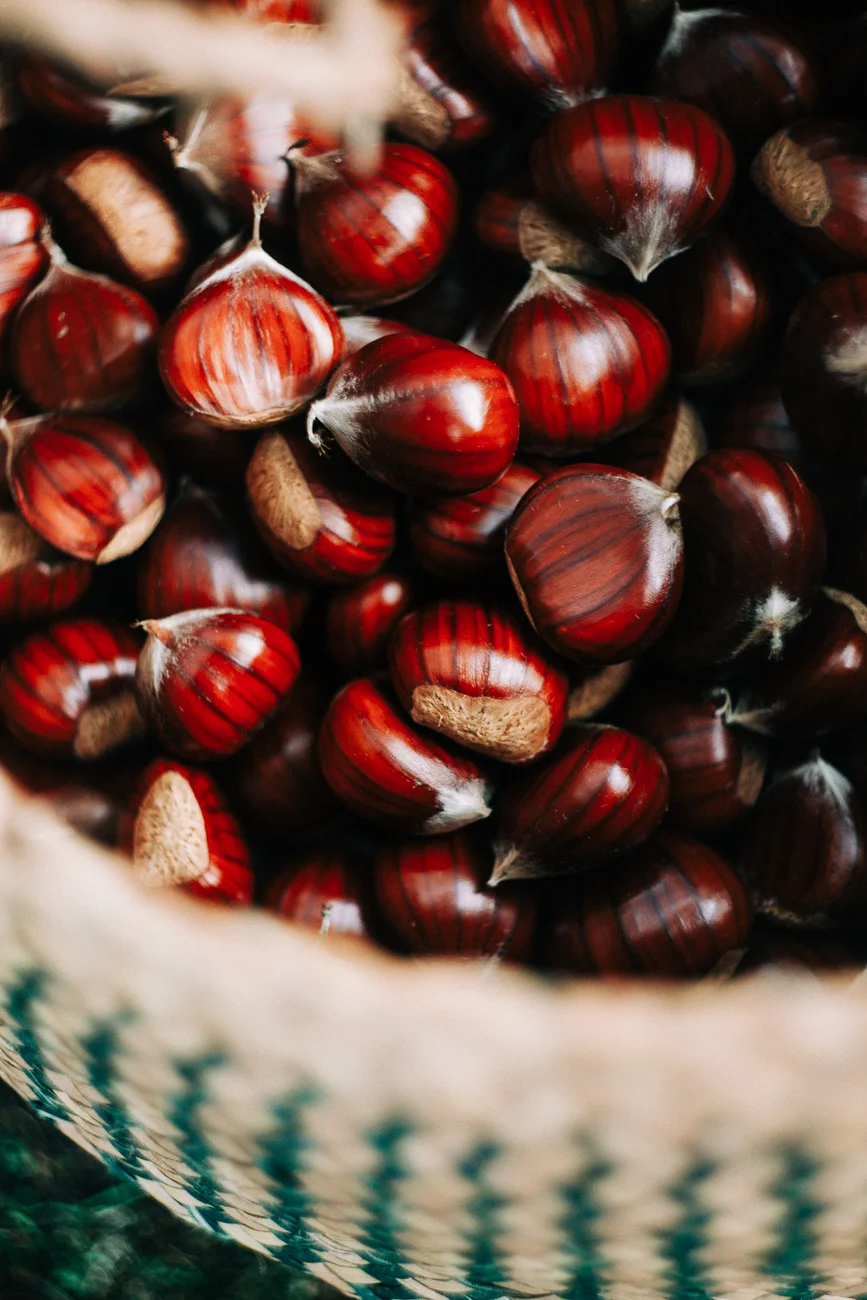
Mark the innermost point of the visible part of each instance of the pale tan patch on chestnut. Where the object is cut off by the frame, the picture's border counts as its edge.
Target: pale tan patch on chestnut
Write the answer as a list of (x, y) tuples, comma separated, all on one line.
[(688, 442), (751, 777), (513, 730), (170, 839), (856, 607), (542, 238), (19, 544), (133, 534), (597, 691), (281, 495), (418, 115), (107, 725), (785, 173)]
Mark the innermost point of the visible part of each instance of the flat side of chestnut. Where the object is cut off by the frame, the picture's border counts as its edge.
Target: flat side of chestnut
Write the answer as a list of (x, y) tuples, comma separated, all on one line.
[(106, 725), (514, 730), (170, 839), (284, 502), (792, 180)]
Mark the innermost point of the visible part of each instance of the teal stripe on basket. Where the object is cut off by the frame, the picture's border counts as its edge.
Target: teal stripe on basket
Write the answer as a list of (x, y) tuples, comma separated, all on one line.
[(281, 1159), (185, 1112), (102, 1049), (380, 1240), (22, 999), (581, 1241), (789, 1264), (486, 1275), (682, 1246)]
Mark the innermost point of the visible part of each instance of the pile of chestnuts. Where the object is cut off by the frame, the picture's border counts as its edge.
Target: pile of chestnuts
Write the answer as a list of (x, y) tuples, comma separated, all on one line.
[(467, 555)]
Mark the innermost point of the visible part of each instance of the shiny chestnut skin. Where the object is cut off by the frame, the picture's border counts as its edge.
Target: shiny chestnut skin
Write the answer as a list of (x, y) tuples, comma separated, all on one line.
[(672, 908), (600, 795), (393, 773), (596, 557), (556, 51), (276, 780), (749, 73), (81, 342), (663, 448), (638, 178), (715, 304), (474, 674), (68, 101), (325, 890), (434, 897), (510, 221), (68, 690), (460, 539), (755, 417), (359, 330), (442, 105), (88, 486), (320, 517), (182, 833), (361, 619), (754, 547), (805, 851), (208, 679), (715, 770), (424, 416), (35, 580), (586, 364), (22, 254), (349, 247)]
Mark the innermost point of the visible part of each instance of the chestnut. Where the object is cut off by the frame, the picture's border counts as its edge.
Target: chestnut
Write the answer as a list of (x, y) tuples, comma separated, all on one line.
[(596, 557), (358, 331), (442, 103), (509, 220), (36, 581), (638, 178), (361, 620), (754, 417), (434, 897), (22, 253), (597, 798), (422, 415), (472, 673), (594, 689), (791, 952), (70, 102), (325, 890), (672, 908), (390, 772), (663, 447)]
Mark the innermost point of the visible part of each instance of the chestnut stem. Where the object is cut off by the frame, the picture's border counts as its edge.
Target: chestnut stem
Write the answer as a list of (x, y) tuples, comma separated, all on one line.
[(260, 203)]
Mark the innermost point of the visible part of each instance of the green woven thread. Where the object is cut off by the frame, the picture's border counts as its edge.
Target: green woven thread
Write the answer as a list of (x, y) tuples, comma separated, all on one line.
[(101, 1049), (682, 1246), (789, 1264), (22, 1000), (281, 1159), (380, 1242), (193, 1147), (486, 1278), (579, 1227)]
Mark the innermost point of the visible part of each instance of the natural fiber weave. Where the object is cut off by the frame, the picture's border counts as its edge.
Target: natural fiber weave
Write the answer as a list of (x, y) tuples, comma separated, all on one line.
[(433, 1129)]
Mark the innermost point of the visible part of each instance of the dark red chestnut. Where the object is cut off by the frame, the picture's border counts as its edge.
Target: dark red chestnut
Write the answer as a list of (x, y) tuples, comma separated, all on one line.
[(509, 220), (276, 780), (472, 673), (86, 485), (639, 178), (208, 679), (434, 896), (215, 457), (68, 101), (597, 798), (595, 688), (82, 342), (35, 581), (756, 418), (460, 539), (393, 773), (754, 543), (663, 448), (753, 75), (68, 690), (805, 854), (672, 908), (358, 331), (789, 952), (558, 51), (318, 515), (442, 104), (422, 415), (715, 770), (596, 557), (326, 890), (361, 619), (375, 238), (22, 254), (586, 364), (714, 301), (251, 343), (181, 832)]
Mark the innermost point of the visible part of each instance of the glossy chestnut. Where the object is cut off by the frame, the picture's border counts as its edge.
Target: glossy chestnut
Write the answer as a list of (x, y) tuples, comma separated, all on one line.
[(638, 178), (86, 485), (393, 773), (361, 619), (472, 673), (68, 690), (317, 514), (70, 102), (509, 220), (442, 104), (596, 557), (350, 247), (598, 797), (325, 890), (670, 909), (22, 254), (358, 331), (82, 342), (424, 416), (35, 581), (663, 448), (433, 895), (755, 417), (586, 364), (208, 679)]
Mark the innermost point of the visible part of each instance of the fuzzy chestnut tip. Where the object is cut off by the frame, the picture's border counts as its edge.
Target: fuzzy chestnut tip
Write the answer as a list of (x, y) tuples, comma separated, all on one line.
[(514, 731)]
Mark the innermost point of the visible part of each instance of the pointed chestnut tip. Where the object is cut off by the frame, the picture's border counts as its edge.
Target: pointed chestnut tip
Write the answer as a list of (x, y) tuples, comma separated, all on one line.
[(669, 507), (156, 628), (509, 864), (312, 416)]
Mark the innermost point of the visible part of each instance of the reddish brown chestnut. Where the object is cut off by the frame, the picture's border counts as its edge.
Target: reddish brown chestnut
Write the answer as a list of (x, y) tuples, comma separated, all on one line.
[(509, 220), (393, 773), (82, 342), (433, 895), (754, 542), (422, 415), (251, 343), (375, 238), (639, 178), (442, 104), (361, 619), (358, 331), (672, 908), (472, 673), (318, 515), (805, 854), (598, 798), (756, 418), (69, 690), (68, 101), (595, 688), (326, 890), (35, 581), (86, 485), (208, 679), (663, 448), (596, 557), (22, 254)]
